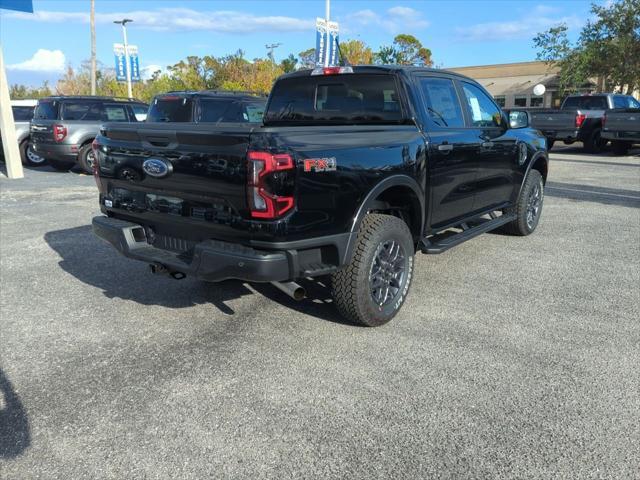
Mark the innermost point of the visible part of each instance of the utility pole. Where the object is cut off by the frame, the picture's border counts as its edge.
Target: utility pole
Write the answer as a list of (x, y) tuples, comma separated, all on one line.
[(93, 46), (327, 11), (127, 62), (270, 48)]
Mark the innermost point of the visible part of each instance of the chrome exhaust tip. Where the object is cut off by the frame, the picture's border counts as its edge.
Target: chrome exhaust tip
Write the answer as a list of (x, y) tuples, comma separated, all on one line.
[(292, 289)]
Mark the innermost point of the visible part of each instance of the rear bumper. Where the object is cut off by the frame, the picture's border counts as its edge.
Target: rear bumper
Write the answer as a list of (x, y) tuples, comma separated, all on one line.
[(632, 137), (55, 151), (213, 260), (571, 135)]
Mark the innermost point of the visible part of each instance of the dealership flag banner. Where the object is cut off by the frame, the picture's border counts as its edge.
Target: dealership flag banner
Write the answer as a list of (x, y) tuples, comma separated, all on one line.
[(326, 42), (121, 62)]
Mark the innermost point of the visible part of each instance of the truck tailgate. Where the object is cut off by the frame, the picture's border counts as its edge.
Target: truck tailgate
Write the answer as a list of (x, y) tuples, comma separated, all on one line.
[(552, 120), (204, 184)]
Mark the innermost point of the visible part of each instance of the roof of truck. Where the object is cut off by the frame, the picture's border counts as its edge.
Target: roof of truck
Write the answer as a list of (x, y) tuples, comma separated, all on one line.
[(93, 97), (242, 95), (380, 69)]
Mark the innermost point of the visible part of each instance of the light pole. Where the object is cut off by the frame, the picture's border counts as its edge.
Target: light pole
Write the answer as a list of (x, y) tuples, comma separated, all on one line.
[(93, 46), (327, 11), (124, 22)]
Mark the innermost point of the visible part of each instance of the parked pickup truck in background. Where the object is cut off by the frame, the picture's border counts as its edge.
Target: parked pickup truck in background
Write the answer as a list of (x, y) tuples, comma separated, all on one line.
[(22, 114), (352, 171), (622, 128), (63, 127), (580, 119)]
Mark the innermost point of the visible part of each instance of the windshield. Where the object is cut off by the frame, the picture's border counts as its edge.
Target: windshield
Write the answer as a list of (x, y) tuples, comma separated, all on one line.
[(335, 99), (171, 109), (22, 114)]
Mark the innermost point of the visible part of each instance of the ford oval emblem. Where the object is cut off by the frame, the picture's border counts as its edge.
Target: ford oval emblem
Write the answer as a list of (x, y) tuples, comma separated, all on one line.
[(157, 167)]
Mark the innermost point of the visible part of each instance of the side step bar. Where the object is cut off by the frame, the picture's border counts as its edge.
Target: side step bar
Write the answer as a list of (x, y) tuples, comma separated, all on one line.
[(443, 241)]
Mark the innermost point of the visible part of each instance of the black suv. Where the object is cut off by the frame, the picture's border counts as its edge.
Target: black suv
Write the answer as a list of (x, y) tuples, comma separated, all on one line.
[(207, 106), (352, 171), (63, 127)]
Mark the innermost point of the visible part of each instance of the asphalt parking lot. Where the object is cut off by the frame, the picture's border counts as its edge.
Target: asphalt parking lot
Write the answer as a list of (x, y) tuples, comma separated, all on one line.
[(513, 357)]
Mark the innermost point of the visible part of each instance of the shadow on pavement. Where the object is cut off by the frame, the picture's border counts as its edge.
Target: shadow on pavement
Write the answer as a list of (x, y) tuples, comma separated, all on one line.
[(15, 434), (590, 193), (596, 162), (96, 263)]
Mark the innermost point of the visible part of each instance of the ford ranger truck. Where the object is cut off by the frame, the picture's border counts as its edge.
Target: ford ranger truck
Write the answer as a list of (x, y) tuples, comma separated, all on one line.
[(622, 128), (351, 172)]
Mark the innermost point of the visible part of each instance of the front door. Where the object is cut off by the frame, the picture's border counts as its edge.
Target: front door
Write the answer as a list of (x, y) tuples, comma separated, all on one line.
[(497, 150)]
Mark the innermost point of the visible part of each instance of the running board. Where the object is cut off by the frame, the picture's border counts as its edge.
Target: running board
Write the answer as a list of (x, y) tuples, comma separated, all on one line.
[(443, 241)]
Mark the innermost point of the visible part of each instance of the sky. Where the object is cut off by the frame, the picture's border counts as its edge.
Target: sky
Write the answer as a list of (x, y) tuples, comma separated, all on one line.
[(38, 46)]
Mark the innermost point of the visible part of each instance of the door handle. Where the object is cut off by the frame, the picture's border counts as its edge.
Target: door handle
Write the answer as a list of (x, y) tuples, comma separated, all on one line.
[(487, 144), (445, 147)]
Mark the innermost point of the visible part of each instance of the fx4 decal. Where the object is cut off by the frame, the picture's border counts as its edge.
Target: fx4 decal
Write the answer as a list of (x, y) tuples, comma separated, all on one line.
[(320, 164)]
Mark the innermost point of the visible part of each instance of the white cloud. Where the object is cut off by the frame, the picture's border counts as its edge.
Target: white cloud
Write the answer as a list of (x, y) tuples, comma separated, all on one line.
[(395, 19), (147, 72), (180, 19), (42, 61), (540, 18)]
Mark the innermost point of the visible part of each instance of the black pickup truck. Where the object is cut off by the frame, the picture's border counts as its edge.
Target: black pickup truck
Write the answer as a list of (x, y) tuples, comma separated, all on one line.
[(352, 171), (580, 119), (622, 128)]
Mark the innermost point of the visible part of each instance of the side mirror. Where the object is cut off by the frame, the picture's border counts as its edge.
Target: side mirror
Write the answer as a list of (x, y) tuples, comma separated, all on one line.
[(518, 119)]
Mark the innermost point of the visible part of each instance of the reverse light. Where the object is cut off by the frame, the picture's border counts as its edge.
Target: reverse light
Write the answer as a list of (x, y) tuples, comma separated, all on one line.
[(263, 203), (580, 117), (59, 132), (331, 70)]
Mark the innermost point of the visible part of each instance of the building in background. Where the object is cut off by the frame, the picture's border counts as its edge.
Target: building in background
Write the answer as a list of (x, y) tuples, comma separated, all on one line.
[(511, 84)]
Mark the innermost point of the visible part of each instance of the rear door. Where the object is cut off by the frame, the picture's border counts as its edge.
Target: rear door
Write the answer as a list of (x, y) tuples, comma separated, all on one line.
[(495, 149), (452, 150)]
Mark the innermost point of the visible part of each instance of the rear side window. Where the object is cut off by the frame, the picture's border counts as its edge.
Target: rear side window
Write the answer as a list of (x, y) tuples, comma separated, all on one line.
[(171, 109), (22, 114), (335, 99), (443, 105), (115, 113), (82, 111), (585, 103), (47, 110)]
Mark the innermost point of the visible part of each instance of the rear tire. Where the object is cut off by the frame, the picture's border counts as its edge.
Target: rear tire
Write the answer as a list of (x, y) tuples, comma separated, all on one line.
[(528, 208), (620, 148), (61, 165), (86, 159), (372, 288), (29, 157), (595, 143)]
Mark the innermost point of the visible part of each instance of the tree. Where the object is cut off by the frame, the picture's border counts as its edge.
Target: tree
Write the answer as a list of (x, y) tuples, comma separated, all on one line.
[(289, 64), (356, 52), (406, 50), (307, 58), (608, 48)]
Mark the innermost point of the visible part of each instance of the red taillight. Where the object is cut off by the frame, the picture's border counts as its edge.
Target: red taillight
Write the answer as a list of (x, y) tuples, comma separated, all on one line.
[(59, 132), (580, 119), (262, 203)]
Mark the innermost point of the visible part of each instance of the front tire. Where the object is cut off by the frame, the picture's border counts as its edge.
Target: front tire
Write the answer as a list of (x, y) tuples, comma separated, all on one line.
[(372, 288), (528, 208)]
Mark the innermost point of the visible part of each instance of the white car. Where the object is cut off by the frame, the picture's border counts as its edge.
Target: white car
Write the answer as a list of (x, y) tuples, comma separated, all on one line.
[(22, 115)]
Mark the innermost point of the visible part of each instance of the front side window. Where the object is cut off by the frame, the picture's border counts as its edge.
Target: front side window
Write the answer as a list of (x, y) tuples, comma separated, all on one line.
[(140, 112), (254, 112), (483, 111), (622, 101), (115, 113), (443, 105)]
